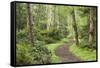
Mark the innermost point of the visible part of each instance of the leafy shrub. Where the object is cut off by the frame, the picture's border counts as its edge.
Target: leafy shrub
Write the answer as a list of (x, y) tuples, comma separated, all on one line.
[(21, 36), (55, 34), (23, 54), (49, 40), (50, 36), (36, 54), (94, 44), (84, 43), (41, 53)]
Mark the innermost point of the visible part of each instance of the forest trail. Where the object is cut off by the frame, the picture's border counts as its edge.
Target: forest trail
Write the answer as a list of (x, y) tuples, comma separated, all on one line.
[(64, 54)]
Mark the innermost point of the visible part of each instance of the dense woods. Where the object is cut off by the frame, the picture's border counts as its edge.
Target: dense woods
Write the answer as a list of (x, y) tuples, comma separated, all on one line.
[(40, 29)]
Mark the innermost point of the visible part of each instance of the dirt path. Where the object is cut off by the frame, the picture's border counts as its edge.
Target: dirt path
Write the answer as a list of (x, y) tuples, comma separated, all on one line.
[(64, 54)]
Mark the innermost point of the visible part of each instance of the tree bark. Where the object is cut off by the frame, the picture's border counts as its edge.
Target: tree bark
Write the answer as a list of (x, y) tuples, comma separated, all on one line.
[(30, 22), (75, 26), (90, 31)]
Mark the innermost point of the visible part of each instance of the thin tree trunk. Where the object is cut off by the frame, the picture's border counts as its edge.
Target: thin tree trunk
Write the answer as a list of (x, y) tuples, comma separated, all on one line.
[(54, 15), (30, 21), (57, 19), (75, 26), (90, 28), (50, 21)]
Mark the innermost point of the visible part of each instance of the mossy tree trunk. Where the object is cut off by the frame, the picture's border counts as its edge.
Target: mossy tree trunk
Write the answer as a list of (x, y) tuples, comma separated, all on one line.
[(90, 30), (30, 23), (75, 26)]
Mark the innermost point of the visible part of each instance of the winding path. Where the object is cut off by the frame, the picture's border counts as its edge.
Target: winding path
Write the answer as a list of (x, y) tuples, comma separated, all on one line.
[(64, 54)]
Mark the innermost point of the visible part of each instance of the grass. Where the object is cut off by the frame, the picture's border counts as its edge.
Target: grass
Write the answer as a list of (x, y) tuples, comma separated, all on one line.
[(52, 47), (83, 53)]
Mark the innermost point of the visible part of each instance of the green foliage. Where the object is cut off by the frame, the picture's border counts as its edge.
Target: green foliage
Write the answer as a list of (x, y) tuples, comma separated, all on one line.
[(83, 11), (23, 54), (21, 16), (84, 37), (27, 54), (22, 36), (41, 55), (84, 54), (50, 36), (83, 43)]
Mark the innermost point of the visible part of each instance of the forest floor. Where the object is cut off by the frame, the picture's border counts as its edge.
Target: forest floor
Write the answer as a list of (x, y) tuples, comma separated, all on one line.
[(64, 53)]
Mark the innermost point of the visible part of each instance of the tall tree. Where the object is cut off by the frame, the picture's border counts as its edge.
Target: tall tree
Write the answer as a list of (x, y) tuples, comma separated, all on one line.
[(30, 23), (75, 26), (90, 33), (50, 19)]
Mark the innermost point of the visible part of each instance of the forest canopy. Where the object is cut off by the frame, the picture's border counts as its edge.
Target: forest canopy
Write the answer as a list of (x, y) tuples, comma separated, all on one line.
[(42, 28)]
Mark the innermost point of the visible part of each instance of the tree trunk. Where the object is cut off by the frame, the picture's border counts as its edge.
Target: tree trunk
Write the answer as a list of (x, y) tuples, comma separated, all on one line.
[(90, 31), (54, 15), (30, 22), (50, 19), (75, 27)]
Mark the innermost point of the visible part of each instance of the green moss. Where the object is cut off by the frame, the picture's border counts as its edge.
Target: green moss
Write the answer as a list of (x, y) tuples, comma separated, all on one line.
[(84, 54)]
